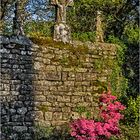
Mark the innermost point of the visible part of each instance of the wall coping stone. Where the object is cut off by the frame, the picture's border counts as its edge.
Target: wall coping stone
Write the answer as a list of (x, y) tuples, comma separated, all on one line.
[(21, 40)]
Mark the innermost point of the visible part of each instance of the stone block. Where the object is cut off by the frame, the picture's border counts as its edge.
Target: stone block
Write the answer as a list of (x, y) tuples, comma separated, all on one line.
[(71, 76), (59, 68), (81, 70), (90, 89), (4, 40), (78, 89), (74, 115), (49, 56), (50, 68), (20, 128), (53, 88), (64, 76), (79, 76), (17, 118), (66, 116), (51, 98), (4, 93), (57, 116), (66, 109), (76, 99), (55, 109), (34, 116), (12, 111), (38, 66), (46, 61), (63, 99), (4, 119), (14, 93), (58, 123), (56, 83), (48, 116), (16, 104), (87, 76), (68, 69), (69, 83), (40, 98), (88, 98), (22, 110), (78, 83), (63, 88), (46, 103), (53, 76)]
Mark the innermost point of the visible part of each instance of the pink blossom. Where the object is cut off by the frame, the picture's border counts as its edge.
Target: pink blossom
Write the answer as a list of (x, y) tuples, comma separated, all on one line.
[(73, 133), (84, 129)]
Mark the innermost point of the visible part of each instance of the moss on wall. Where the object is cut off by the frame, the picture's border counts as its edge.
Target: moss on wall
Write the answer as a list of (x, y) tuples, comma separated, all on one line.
[(78, 55)]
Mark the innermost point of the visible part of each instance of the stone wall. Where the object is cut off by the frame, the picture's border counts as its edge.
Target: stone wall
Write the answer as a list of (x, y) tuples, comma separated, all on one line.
[(47, 84)]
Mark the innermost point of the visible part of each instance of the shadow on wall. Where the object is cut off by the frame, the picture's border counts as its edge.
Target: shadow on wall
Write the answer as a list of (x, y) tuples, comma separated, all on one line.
[(17, 96), (18, 118)]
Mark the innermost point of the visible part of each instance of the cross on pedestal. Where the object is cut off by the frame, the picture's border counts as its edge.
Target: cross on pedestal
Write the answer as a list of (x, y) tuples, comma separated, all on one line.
[(61, 29)]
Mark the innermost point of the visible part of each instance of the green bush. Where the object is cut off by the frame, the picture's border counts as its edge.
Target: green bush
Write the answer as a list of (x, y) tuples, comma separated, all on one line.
[(86, 36), (132, 111), (129, 132), (41, 131), (44, 29)]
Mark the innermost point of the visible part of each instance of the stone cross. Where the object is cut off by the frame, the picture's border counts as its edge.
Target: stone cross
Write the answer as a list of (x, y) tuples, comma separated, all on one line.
[(99, 29), (61, 29)]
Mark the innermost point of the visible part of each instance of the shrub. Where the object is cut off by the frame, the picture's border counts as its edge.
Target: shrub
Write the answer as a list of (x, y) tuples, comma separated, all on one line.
[(86, 129), (86, 36), (132, 111), (41, 131)]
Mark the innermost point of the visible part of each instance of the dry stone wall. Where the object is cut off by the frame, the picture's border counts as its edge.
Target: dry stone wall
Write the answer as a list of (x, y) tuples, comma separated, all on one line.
[(39, 83)]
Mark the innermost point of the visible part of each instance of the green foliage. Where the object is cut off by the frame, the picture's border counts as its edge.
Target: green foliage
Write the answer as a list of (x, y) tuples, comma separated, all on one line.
[(43, 108), (80, 109), (77, 53), (83, 110), (132, 111), (42, 131), (114, 11), (86, 36), (39, 29), (121, 48), (104, 63), (118, 81), (88, 114), (131, 34), (128, 133)]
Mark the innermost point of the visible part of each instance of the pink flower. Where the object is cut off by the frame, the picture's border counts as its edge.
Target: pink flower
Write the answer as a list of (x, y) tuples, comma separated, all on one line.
[(73, 133), (84, 129)]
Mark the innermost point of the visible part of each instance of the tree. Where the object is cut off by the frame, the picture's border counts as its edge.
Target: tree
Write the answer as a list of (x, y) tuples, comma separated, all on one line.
[(19, 17), (5, 7), (30, 10)]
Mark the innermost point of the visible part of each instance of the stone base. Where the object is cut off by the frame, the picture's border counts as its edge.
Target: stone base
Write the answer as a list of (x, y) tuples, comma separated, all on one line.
[(62, 33)]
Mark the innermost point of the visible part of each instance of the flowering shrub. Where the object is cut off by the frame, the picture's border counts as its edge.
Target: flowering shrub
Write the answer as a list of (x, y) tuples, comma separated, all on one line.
[(84, 129)]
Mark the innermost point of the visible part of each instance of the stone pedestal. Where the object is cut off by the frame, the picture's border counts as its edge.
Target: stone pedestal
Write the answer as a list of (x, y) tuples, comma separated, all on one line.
[(62, 33)]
